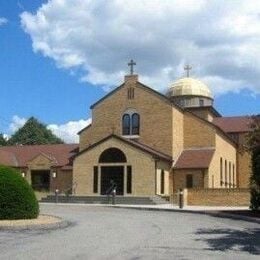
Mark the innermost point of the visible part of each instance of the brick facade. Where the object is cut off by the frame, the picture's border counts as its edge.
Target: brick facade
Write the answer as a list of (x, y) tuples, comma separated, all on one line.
[(218, 197)]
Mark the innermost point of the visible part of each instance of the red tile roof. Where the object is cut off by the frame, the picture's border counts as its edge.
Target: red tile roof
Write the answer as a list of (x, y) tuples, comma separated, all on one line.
[(194, 159), (20, 155), (7, 158), (233, 124)]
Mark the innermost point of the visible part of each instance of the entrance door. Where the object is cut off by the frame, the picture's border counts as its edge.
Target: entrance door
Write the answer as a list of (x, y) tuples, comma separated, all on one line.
[(40, 180), (110, 175)]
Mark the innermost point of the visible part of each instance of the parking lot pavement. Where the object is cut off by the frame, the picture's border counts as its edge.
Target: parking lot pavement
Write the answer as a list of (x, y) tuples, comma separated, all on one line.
[(115, 233)]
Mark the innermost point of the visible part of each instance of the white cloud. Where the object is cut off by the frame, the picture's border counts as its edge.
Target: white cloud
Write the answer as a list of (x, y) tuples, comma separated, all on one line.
[(67, 131), (3, 21), (219, 38), (17, 122)]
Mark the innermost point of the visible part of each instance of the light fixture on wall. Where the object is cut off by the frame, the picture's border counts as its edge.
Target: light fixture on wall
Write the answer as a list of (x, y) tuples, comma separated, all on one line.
[(23, 174), (54, 174)]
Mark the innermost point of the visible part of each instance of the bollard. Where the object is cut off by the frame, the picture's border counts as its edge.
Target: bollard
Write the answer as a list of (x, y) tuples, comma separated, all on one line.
[(181, 199), (114, 196), (56, 195)]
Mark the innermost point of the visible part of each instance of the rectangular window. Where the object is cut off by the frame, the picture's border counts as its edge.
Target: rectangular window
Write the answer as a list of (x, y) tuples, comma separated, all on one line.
[(95, 180), (162, 181), (129, 179), (189, 181), (201, 102)]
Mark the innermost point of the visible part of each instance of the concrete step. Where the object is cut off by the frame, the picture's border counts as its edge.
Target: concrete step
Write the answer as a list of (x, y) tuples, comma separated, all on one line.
[(104, 200)]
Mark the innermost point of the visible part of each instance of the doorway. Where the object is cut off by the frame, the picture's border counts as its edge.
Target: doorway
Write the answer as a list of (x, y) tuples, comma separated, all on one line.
[(112, 176)]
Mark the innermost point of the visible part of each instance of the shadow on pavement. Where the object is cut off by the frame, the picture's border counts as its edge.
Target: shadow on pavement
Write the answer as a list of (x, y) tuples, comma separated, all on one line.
[(247, 240)]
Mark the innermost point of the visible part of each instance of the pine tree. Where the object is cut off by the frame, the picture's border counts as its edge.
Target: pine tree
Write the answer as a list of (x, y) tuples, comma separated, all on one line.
[(254, 148), (3, 141), (33, 132)]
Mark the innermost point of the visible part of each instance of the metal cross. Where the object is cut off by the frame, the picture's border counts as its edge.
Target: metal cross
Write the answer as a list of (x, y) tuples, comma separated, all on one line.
[(131, 64), (188, 68)]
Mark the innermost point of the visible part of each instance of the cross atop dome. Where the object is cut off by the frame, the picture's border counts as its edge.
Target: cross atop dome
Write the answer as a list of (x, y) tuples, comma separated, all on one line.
[(188, 68)]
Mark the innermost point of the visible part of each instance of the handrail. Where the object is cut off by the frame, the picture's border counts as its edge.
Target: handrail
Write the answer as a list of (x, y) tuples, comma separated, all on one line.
[(71, 189)]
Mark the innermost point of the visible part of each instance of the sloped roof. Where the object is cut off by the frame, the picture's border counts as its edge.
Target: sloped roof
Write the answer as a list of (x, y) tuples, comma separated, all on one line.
[(8, 158), (234, 124), (21, 155), (195, 159), (138, 145)]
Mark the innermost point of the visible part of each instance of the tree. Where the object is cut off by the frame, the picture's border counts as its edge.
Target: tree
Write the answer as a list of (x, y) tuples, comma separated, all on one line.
[(17, 199), (34, 132), (3, 141), (254, 148)]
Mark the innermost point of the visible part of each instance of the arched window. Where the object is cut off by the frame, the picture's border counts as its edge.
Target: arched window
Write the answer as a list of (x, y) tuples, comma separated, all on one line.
[(126, 124), (112, 155), (131, 122), (135, 124)]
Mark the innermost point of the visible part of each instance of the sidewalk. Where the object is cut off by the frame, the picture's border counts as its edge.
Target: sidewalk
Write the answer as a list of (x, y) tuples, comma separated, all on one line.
[(223, 212)]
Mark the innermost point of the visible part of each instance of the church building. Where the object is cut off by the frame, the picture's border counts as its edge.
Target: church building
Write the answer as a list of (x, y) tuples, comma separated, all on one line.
[(144, 143), (149, 143)]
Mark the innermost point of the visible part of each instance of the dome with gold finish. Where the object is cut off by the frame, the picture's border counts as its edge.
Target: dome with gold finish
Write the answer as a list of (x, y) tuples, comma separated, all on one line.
[(189, 87)]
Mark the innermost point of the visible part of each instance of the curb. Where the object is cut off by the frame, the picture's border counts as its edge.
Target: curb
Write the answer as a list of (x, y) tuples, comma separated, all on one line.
[(30, 227)]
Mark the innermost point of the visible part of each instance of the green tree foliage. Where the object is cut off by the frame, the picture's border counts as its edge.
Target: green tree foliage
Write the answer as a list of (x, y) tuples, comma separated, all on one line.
[(17, 199), (33, 132), (2, 140), (254, 147)]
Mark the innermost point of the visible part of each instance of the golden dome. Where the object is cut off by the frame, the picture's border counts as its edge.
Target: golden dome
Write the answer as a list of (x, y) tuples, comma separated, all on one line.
[(189, 87)]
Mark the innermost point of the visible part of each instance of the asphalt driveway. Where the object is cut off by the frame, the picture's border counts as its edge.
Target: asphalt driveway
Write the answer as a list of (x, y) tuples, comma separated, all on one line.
[(113, 233)]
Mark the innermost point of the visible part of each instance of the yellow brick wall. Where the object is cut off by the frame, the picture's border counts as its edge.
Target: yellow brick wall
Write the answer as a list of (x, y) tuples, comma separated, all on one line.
[(155, 118), (177, 132), (167, 185), (180, 178), (143, 169), (197, 133), (227, 151), (85, 138), (218, 197)]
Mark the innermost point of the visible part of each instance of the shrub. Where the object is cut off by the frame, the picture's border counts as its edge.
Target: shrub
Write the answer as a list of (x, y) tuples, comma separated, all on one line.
[(17, 199)]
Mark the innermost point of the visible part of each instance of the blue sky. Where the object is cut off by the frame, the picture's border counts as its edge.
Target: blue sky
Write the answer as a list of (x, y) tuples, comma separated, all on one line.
[(56, 62)]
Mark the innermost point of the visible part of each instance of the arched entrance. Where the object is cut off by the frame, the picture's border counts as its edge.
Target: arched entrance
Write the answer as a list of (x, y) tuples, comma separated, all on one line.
[(112, 175)]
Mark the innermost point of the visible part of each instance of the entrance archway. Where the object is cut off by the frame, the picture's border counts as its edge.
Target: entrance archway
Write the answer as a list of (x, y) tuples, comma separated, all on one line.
[(112, 176)]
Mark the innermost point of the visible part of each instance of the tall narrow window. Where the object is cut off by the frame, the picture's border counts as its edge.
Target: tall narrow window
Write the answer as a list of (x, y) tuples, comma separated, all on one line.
[(234, 180), (189, 181), (129, 180), (95, 179), (162, 181), (221, 172), (135, 124), (126, 124), (225, 173), (229, 174)]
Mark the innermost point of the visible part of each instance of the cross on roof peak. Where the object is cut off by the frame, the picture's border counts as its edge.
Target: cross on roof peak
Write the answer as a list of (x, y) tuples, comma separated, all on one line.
[(131, 64), (188, 68)]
